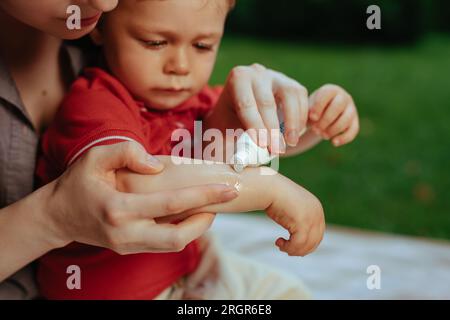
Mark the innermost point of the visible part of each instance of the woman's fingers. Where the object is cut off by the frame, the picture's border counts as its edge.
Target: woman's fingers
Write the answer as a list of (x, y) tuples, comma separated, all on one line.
[(128, 206), (147, 236), (175, 237), (193, 227)]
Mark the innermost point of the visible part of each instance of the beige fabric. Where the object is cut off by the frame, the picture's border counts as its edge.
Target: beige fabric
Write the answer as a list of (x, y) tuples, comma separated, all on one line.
[(18, 148), (223, 274)]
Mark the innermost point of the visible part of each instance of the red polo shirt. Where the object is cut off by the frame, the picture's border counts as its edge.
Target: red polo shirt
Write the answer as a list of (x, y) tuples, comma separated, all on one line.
[(98, 111)]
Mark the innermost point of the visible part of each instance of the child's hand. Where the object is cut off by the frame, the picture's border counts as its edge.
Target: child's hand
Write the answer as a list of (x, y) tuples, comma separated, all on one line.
[(333, 115), (255, 92), (301, 214)]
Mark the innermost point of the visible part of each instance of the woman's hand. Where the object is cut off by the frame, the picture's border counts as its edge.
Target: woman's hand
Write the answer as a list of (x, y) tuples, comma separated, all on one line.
[(86, 206)]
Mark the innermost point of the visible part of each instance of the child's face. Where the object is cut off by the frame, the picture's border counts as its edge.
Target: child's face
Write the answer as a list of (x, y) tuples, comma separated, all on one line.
[(163, 51)]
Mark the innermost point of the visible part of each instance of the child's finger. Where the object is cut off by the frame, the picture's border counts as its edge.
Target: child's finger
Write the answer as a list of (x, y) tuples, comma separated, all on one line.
[(319, 101), (267, 107), (332, 112), (342, 123), (304, 110), (289, 106), (246, 106), (284, 246), (348, 135), (295, 246), (280, 242), (292, 102)]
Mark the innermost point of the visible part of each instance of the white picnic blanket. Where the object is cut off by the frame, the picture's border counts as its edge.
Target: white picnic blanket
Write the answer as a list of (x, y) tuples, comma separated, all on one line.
[(410, 268)]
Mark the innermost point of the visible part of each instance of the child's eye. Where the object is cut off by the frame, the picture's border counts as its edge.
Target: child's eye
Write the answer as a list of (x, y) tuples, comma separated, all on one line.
[(203, 46), (155, 44)]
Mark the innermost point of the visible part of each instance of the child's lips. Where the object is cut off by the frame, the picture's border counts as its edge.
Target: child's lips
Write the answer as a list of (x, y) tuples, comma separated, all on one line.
[(171, 90)]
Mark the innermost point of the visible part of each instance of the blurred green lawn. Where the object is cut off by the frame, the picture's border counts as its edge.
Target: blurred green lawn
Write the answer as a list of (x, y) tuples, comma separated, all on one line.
[(396, 176)]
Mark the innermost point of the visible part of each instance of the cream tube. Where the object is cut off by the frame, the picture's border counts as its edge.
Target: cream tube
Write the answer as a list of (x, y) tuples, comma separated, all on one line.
[(249, 154)]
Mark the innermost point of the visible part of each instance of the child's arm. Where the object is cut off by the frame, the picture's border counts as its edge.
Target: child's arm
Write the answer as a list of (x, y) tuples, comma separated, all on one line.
[(288, 204)]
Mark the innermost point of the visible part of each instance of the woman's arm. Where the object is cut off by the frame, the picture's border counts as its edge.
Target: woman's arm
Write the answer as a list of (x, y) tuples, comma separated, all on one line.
[(25, 231), (84, 205)]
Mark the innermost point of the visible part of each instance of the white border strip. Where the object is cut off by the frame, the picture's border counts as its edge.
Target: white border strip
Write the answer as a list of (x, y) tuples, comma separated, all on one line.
[(97, 141)]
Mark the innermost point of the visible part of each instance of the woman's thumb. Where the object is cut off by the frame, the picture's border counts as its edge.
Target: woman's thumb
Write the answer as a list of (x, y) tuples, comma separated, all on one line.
[(131, 155)]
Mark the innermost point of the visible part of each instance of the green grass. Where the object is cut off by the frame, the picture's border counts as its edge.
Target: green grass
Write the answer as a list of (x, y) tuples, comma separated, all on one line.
[(396, 176)]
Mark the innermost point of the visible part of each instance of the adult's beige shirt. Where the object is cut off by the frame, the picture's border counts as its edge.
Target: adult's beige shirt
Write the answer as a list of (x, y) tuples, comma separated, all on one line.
[(18, 150)]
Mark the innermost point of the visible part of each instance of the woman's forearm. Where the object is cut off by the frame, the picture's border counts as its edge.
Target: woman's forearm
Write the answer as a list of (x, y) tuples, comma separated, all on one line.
[(256, 191), (24, 232)]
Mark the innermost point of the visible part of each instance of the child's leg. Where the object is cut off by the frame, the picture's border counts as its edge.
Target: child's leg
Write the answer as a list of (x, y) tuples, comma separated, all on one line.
[(225, 275)]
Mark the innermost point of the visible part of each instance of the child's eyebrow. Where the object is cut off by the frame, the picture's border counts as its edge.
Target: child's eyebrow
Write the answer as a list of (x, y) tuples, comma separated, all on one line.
[(209, 35), (173, 35)]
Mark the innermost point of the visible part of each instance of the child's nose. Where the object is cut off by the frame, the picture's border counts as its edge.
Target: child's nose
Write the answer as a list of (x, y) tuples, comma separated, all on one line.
[(178, 63)]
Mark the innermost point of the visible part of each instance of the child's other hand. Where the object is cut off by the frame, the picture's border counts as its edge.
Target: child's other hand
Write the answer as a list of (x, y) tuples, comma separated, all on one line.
[(255, 92), (301, 214), (333, 115)]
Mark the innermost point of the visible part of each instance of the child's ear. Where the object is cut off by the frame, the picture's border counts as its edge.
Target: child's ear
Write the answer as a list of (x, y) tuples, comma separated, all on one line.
[(96, 36)]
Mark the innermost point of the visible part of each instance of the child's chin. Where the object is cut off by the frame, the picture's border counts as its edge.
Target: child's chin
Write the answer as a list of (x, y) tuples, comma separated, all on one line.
[(161, 106)]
